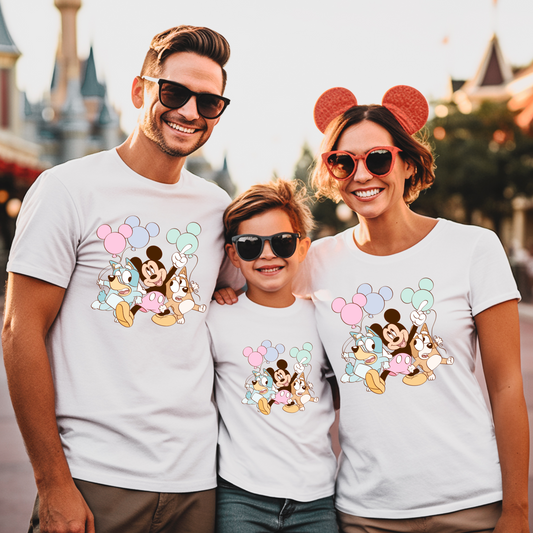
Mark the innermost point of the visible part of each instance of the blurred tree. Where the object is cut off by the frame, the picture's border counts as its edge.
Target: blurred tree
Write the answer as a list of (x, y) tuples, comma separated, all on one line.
[(483, 161)]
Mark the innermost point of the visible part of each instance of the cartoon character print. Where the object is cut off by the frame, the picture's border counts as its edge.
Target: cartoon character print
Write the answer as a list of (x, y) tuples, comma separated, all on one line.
[(426, 356), (180, 300), (166, 294), (260, 391), (278, 386), (424, 347), (122, 285), (397, 340), (366, 361), (283, 380), (391, 349), (301, 391)]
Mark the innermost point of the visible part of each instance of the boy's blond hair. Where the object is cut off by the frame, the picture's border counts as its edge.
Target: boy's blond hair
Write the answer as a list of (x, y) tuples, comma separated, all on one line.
[(289, 196)]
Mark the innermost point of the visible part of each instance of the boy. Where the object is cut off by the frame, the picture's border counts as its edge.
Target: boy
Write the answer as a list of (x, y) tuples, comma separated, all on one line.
[(276, 465)]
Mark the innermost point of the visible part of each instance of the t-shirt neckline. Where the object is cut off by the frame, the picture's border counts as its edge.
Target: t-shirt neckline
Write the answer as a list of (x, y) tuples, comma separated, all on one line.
[(350, 234)]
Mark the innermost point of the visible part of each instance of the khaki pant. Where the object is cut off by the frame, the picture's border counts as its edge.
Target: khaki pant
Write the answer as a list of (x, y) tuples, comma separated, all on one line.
[(118, 510), (475, 520)]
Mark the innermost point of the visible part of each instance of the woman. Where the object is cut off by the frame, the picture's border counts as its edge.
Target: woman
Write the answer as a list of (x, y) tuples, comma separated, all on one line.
[(402, 302)]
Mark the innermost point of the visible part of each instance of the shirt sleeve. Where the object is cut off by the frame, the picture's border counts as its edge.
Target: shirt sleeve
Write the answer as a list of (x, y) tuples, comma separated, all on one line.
[(301, 285), (47, 234), (491, 278), (229, 276)]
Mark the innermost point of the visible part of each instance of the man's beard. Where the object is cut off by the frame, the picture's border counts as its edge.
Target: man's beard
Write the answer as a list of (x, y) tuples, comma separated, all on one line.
[(153, 132)]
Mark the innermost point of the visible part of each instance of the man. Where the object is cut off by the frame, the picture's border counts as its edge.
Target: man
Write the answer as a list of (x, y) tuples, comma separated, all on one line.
[(115, 258)]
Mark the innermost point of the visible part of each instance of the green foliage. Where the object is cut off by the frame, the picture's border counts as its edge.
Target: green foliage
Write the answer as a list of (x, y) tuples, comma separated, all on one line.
[(483, 162), (324, 210)]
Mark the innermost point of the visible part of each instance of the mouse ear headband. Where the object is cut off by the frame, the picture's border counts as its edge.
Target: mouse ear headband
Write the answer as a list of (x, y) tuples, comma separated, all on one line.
[(408, 106)]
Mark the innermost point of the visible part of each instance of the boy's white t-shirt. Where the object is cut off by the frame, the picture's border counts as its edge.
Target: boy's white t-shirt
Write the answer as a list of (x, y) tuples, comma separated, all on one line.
[(285, 450), (427, 447), (133, 404)]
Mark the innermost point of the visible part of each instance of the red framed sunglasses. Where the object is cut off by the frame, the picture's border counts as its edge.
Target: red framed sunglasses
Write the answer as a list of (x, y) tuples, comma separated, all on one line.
[(379, 161)]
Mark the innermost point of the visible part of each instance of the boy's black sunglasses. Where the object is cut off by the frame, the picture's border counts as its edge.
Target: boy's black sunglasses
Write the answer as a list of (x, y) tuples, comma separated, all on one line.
[(174, 95), (249, 247)]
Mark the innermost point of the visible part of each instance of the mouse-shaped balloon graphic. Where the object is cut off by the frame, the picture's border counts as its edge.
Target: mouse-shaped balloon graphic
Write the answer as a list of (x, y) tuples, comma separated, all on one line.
[(140, 236), (303, 356), (351, 313), (186, 243), (272, 352), (375, 301), (114, 242), (422, 300)]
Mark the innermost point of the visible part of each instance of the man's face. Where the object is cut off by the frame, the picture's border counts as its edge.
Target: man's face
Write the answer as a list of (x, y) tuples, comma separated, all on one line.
[(179, 132)]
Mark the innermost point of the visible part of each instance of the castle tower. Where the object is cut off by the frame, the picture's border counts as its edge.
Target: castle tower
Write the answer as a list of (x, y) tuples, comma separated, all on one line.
[(67, 66), (9, 95)]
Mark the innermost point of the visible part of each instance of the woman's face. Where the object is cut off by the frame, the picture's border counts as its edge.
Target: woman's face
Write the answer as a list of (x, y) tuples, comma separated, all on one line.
[(368, 195)]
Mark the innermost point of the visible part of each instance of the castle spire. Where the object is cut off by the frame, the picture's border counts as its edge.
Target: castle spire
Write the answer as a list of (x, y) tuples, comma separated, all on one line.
[(7, 45), (67, 63)]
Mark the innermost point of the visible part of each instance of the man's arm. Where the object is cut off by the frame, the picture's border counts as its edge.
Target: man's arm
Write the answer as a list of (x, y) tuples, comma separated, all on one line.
[(31, 307), (499, 340)]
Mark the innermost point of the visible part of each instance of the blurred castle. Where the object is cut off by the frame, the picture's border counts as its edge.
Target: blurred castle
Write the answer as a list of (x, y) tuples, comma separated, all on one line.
[(497, 81), (75, 119)]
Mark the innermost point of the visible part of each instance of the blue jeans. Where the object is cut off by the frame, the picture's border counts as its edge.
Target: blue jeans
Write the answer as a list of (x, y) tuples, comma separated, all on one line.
[(240, 511)]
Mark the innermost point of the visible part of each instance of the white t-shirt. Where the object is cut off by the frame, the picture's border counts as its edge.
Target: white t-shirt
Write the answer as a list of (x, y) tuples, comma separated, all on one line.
[(426, 444), (274, 401), (130, 356)]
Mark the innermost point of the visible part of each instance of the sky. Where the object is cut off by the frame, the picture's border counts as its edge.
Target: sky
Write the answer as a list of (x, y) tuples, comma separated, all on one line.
[(285, 53)]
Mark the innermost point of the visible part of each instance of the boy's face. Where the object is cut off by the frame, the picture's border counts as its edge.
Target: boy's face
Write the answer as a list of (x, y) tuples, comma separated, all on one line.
[(269, 277)]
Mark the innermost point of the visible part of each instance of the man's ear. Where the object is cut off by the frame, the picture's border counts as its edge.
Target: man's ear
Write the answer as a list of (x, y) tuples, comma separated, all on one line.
[(232, 254), (303, 248), (137, 92)]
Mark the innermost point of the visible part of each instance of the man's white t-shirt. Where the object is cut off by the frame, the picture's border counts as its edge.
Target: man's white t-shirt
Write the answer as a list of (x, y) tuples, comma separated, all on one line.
[(425, 445), (274, 400), (133, 395)]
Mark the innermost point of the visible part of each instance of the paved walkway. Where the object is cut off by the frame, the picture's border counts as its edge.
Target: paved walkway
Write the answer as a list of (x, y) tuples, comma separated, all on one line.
[(17, 488)]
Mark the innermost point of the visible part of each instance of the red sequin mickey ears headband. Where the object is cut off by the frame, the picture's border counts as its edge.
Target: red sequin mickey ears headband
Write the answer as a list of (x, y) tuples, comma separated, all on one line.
[(408, 105)]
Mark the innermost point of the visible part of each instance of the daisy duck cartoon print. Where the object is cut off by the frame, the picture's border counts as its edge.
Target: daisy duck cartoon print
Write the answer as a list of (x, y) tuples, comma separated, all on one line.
[(271, 383), (381, 346), (130, 284)]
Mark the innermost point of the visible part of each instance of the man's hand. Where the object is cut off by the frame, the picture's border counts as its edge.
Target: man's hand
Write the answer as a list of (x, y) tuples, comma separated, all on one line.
[(64, 511), (26, 325), (513, 522)]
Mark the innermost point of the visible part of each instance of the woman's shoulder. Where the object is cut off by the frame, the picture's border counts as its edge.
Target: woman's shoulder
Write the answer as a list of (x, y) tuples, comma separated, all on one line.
[(467, 233), (332, 241)]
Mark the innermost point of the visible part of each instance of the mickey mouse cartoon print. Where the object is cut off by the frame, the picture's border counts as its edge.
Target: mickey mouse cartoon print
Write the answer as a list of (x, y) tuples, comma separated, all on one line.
[(268, 386), (390, 348), (134, 285)]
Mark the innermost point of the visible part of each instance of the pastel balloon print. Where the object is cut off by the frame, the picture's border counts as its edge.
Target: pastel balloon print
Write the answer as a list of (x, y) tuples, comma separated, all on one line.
[(254, 358), (272, 353), (352, 313)]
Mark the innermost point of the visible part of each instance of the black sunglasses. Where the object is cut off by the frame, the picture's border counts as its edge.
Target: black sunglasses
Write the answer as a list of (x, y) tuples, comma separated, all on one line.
[(250, 247), (174, 95)]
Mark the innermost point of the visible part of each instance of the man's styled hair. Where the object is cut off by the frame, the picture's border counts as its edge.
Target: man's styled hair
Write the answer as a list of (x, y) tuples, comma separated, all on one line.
[(199, 40), (289, 196)]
